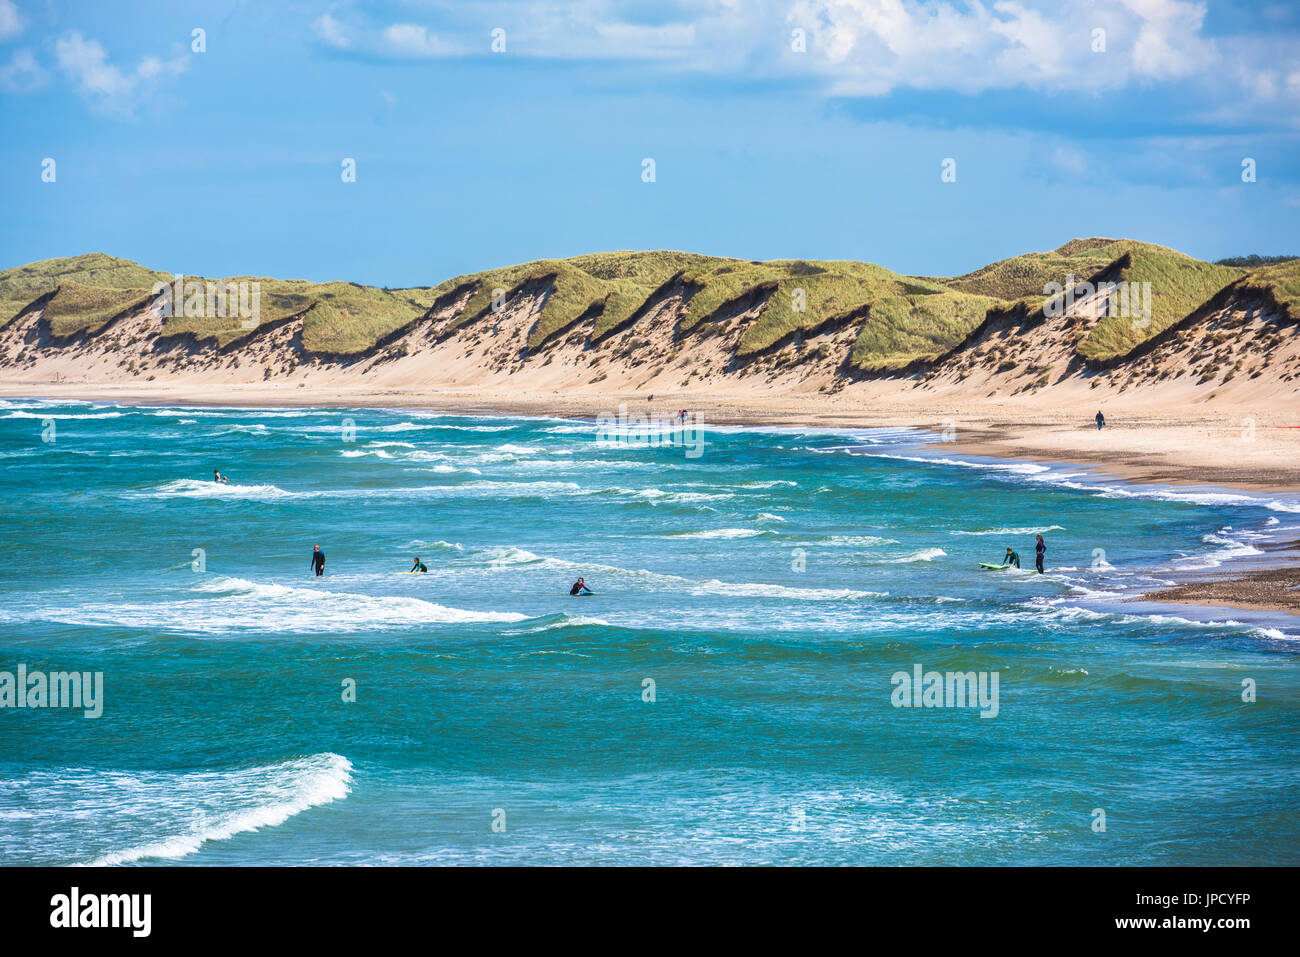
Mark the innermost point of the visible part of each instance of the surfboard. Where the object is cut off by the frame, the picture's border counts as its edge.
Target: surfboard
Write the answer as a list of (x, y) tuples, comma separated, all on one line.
[(991, 566)]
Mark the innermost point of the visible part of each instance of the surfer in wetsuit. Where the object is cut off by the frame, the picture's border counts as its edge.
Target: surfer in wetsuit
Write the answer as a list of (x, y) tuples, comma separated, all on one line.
[(218, 477), (419, 565), (318, 560), (580, 588), (1012, 557), (1040, 549)]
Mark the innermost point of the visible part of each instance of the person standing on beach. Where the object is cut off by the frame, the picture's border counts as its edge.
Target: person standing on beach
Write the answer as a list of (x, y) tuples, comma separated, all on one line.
[(1040, 549), (318, 560), (1101, 420)]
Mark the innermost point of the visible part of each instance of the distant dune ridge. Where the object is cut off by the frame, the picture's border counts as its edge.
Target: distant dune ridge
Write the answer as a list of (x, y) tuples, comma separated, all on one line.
[(1093, 314)]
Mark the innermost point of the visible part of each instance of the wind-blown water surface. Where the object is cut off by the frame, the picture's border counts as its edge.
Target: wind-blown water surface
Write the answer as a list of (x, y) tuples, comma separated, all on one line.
[(769, 588)]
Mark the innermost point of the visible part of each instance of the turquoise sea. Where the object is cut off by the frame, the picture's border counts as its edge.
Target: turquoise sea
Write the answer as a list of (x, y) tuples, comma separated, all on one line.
[(727, 697)]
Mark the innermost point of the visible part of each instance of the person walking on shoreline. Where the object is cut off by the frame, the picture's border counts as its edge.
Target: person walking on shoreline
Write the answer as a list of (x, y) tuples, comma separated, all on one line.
[(1101, 421)]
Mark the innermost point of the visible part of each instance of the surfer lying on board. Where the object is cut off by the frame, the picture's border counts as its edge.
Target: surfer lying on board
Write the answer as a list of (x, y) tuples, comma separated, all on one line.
[(1012, 557), (580, 588), (419, 565)]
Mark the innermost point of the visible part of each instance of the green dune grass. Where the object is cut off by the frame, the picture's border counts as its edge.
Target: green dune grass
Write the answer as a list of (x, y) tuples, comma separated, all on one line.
[(1179, 284), (22, 285), (78, 307), (1023, 277), (1282, 280), (901, 318)]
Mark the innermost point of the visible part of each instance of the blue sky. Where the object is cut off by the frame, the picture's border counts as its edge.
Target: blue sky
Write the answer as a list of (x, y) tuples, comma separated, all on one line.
[(768, 143)]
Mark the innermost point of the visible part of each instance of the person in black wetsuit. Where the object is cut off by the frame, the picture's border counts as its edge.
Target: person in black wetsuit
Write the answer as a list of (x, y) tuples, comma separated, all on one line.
[(580, 588), (1012, 557), (419, 565), (1040, 549), (318, 560)]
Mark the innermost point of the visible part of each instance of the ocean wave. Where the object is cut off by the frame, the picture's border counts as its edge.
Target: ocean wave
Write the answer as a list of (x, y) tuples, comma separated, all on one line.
[(244, 603), (720, 533), (509, 557), (437, 543), (60, 416), (658, 496), (564, 620), (202, 806), (760, 590), (359, 453), (223, 605), (856, 541), (1020, 468), (1229, 549), (923, 555), (1207, 498), (1032, 530), (197, 488), (1080, 613)]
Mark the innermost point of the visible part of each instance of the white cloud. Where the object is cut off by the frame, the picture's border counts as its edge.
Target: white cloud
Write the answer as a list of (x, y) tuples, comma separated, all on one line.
[(402, 41), (857, 47), (647, 40), (1070, 159), (86, 64), (332, 32), (1169, 44), (872, 47), (11, 21), (411, 40), (22, 74)]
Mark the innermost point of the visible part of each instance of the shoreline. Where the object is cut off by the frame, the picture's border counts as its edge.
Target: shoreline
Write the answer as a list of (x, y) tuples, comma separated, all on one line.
[(1237, 448), (1271, 585), (1161, 450)]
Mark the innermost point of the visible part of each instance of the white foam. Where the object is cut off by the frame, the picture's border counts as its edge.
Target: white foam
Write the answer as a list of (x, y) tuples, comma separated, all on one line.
[(261, 797), (924, 555), (859, 541), (721, 533), (1035, 530), (194, 488), (224, 605), (760, 590), (567, 621)]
